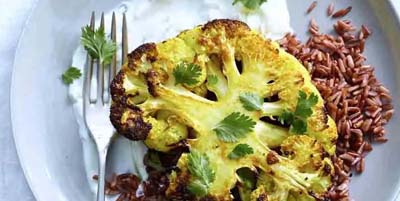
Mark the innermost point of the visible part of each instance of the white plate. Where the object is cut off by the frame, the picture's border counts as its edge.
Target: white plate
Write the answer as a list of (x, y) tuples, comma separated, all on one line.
[(46, 133)]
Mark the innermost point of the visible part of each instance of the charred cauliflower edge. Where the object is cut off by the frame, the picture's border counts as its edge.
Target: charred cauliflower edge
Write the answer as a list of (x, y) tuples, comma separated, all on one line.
[(231, 60)]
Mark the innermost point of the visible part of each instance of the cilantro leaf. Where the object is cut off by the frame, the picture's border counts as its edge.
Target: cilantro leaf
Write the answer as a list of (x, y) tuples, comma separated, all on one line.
[(199, 167), (187, 73), (299, 126), (240, 151), (286, 117), (71, 74), (233, 127), (204, 175), (304, 105), (250, 4), (298, 118), (251, 101), (97, 45), (212, 79), (197, 188)]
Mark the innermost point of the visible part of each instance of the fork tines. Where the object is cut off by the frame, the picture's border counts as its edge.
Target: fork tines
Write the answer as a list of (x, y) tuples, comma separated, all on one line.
[(99, 76)]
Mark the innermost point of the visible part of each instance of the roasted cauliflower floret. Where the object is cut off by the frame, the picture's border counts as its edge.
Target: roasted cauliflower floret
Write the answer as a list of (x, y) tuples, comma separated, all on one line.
[(305, 151), (221, 90), (307, 165), (173, 131)]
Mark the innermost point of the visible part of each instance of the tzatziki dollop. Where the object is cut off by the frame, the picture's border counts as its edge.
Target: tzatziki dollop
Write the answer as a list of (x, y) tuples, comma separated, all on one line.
[(155, 21)]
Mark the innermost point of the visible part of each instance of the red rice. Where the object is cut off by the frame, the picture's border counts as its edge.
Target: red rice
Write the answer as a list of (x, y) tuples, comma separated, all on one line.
[(353, 96), (312, 6), (330, 9), (342, 12)]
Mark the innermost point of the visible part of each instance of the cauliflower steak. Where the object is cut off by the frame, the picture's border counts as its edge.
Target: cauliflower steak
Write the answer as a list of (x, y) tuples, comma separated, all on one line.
[(220, 90)]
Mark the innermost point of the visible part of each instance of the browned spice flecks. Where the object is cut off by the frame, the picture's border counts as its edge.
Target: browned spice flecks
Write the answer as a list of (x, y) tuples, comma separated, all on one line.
[(353, 96)]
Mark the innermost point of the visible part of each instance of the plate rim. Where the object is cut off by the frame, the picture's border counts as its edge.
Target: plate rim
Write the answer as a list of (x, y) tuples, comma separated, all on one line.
[(22, 162), (396, 12)]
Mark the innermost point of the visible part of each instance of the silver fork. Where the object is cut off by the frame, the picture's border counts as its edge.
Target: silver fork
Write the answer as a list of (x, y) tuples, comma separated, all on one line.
[(96, 103)]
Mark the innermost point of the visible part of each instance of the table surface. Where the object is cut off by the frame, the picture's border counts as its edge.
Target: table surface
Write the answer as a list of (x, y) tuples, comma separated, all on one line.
[(13, 186)]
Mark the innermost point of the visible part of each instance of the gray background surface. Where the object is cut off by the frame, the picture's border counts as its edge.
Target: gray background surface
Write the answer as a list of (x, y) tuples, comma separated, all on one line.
[(13, 186), (13, 15)]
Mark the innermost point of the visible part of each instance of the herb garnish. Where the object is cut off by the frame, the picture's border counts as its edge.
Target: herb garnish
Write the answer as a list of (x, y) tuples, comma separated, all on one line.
[(298, 118), (97, 45), (71, 74), (251, 101), (233, 127), (250, 4), (240, 151), (204, 175), (187, 73)]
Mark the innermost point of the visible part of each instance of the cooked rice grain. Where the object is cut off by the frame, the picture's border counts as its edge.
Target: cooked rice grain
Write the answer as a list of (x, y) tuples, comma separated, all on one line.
[(342, 12), (312, 6), (330, 9)]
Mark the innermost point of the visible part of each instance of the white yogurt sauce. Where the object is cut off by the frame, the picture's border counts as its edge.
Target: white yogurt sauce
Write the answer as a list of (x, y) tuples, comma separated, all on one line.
[(155, 21)]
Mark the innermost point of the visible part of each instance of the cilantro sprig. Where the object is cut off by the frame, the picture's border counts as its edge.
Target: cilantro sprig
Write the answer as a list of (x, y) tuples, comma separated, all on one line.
[(250, 4), (251, 101), (203, 174), (298, 118), (240, 151), (233, 127), (71, 74), (97, 45), (187, 73)]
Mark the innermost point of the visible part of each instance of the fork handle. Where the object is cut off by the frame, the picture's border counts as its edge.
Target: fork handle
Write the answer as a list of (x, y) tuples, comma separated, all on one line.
[(102, 174)]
